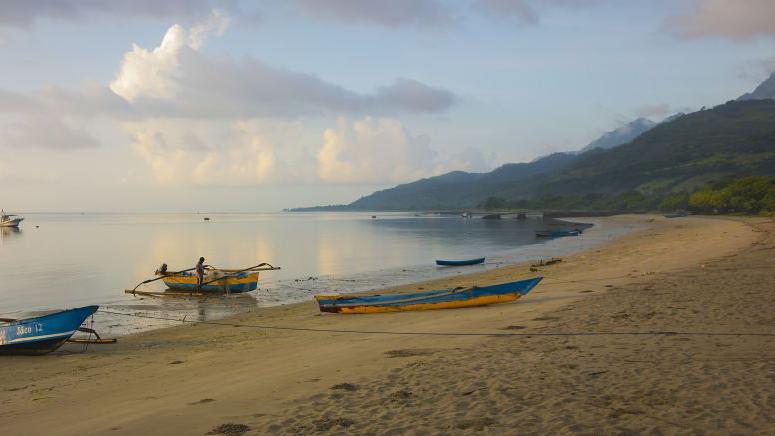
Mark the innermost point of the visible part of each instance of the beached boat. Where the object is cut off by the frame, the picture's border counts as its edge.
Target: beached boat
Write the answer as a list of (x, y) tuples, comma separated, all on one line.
[(442, 299), (8, 220), (214, 281), (676, 214), (442, 262), (44, 334), (557, 233)]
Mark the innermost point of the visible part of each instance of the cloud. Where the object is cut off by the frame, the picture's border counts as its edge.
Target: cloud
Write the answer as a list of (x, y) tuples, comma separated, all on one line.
[(380, 150), (177, 79), (523, 11), (26, 13), (519, 10), (156, 73), (757, 70), (393, 13), (731, 19), (658, 111), (177, 156), (47, 132)]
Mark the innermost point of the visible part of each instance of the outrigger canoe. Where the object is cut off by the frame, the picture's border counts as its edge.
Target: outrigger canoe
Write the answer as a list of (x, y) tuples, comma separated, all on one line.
[(459, 262), (230, 283), (442, 299), (44, 334)]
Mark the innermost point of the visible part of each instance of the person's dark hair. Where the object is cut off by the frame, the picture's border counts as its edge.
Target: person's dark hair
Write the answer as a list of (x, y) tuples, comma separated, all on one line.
[(201, 259)]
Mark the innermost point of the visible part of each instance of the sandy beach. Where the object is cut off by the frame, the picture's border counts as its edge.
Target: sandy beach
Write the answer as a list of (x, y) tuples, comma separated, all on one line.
[(685, 276)]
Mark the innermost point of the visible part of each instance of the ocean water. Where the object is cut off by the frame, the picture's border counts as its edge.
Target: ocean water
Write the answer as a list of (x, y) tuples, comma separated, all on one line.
[(67, 260)]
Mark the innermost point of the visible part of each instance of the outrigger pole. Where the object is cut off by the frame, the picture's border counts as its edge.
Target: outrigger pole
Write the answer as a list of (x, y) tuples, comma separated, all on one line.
[(132, 291)]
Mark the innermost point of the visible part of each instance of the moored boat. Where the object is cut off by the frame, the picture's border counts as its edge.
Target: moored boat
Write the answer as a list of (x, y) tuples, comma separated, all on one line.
[(557, 233), (442, 262), (441, 299), (8, 220), (215, 280), (42, 334)]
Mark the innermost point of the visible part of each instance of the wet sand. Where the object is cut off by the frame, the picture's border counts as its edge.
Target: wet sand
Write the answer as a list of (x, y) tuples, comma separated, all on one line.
[(681, 275)]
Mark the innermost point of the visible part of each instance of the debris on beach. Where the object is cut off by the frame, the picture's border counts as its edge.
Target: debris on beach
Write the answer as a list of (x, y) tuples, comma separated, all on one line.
[(229, 429), (410, 352)]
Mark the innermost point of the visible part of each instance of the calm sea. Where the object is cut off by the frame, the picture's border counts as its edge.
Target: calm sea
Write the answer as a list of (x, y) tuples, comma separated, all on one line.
[(68, 260)]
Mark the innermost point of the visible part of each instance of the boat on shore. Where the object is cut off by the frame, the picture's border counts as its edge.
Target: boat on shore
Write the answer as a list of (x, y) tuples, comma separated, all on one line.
[(442, 262), (9, 220), (429, 300), (44, 334), (216, 280), (676, 214), (557, 233)]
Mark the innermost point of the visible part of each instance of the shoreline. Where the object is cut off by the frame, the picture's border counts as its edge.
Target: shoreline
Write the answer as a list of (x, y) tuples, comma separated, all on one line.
[(195, 377), (220, 309)]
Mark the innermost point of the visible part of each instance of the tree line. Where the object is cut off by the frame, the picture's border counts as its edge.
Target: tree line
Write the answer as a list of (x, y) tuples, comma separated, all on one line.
[(746, 195)]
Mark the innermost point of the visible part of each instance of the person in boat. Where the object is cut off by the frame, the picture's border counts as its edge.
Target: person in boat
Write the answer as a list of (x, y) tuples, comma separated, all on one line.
[(200, 272), (162, 271)]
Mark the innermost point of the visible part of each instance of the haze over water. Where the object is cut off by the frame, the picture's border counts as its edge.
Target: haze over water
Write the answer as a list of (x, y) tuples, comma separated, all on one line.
[(78, 259)]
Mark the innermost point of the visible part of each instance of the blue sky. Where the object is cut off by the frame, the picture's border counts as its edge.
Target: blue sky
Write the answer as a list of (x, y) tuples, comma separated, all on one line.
[(266, 105)]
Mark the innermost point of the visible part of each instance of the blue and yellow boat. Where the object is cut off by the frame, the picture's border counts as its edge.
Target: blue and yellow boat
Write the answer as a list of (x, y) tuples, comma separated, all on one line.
[(441, 299), (222, 281)]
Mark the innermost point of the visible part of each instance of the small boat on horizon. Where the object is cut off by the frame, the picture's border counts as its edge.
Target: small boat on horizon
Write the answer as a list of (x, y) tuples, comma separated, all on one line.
[(429, 300), (8, 220), (557, 233), (442, 262), (44, 334)]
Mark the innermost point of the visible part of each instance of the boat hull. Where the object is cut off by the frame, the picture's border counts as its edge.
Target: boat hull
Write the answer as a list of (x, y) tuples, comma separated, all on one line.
[(42, 334), (11, 223), (442, 299), (459, 262), (230, 285), (556, 233)]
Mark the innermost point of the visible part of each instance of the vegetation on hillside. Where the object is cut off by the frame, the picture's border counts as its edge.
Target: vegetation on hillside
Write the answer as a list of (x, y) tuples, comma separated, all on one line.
[(746, 195)]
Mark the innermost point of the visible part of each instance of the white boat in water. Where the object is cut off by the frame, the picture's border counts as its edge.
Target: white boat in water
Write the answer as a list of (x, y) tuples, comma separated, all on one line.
[(7, 220)]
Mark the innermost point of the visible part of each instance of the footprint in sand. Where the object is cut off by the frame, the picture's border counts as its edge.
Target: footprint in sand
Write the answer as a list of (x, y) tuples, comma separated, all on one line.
[(202, 401), (409, 352)]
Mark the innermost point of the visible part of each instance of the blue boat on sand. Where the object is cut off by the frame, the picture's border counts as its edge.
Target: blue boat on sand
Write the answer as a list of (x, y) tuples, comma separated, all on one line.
[(459, 262), (442, 299), (44, 334)]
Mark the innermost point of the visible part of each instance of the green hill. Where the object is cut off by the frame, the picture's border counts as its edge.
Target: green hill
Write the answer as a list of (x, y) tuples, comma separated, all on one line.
[(731, 140)]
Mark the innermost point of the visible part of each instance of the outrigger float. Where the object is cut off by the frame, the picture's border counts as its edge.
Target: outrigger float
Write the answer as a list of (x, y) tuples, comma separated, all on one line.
[(216, 281), (44, 334), (442, 299)]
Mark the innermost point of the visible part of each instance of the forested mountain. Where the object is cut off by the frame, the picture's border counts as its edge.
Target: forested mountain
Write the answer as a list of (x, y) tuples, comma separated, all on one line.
[(733, 139), (621, 135), (766, 90)]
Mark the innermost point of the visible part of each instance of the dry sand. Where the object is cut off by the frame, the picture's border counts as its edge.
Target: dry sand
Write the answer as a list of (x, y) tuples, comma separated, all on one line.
[(680, 275)]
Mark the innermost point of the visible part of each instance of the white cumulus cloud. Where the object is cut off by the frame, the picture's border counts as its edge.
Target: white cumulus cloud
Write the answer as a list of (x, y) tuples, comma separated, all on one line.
[(381, 150), (177, 79), (157, 73), (177, 156)]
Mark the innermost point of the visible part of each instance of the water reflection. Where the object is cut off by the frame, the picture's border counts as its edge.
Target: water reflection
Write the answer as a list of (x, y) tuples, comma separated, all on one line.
[(74, 260), (9, 231)]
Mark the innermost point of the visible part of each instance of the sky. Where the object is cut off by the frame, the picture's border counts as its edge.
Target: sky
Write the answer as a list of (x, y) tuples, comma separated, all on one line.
[(237, 106)]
